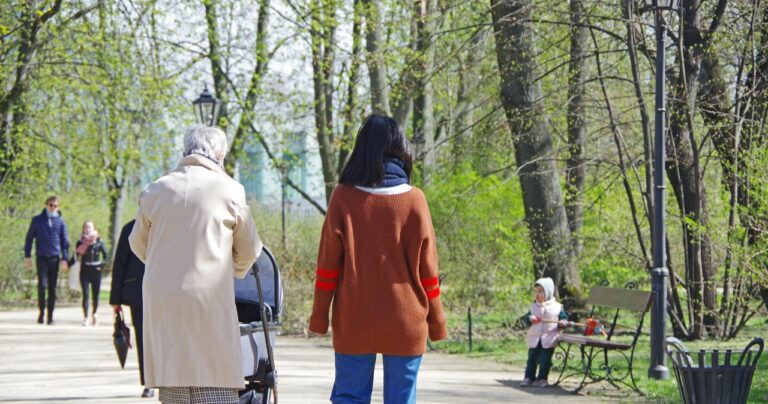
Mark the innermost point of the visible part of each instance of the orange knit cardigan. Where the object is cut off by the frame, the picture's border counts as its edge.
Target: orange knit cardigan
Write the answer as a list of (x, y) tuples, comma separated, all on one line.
[(377, 264)]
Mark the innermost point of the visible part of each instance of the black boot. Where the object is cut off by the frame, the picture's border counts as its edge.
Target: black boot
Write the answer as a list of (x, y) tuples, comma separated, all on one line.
[(49, 321), (40, 318)]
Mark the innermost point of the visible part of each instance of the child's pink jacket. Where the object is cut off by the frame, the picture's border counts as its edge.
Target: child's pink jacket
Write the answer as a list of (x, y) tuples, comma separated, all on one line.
[(546, 332)]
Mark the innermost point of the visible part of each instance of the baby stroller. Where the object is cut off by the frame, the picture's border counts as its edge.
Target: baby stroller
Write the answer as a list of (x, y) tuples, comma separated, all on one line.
[(259, 296)]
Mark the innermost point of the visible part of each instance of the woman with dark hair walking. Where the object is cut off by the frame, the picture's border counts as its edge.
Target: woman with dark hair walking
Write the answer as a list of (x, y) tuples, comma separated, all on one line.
[(377, 267)]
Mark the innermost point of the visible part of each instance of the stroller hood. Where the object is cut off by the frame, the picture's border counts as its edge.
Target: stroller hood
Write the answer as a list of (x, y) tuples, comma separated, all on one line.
[(246, 292)]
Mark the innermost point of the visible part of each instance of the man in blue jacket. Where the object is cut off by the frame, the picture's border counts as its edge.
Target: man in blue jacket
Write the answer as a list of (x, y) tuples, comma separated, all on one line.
[(49, 232)]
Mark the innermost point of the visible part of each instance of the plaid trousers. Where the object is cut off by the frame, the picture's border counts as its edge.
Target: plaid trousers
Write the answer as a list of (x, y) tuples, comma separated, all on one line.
[(198, 395)]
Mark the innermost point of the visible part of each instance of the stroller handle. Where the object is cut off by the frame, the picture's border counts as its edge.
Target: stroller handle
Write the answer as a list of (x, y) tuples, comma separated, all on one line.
[(256, 326)]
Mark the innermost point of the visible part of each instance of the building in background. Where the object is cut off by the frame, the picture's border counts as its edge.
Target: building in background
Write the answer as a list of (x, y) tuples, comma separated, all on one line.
[(264, 181)]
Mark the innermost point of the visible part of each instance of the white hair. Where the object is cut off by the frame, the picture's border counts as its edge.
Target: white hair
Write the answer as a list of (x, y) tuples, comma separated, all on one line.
[(206, 141)]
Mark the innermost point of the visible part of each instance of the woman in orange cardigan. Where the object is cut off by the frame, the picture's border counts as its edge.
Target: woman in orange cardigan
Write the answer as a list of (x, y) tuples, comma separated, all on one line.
[(377, 268)]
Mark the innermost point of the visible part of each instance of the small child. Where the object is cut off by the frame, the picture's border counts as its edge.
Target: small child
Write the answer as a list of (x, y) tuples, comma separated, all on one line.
[(545, 319)]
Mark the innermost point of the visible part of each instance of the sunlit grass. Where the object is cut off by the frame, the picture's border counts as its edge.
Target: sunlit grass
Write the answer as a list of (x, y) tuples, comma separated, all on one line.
[(491, 339)]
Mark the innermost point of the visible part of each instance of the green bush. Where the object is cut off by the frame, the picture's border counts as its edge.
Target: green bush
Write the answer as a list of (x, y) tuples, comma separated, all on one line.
[(482, 241)]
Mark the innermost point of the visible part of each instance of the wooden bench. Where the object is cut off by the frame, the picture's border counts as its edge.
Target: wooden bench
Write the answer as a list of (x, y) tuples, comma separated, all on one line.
[(597, 358)]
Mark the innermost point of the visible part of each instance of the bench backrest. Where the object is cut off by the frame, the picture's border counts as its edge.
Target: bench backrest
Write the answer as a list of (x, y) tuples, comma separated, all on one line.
[(624, 299), (620, 299)]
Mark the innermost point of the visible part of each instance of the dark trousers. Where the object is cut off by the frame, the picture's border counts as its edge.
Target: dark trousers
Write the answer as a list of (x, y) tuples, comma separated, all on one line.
[(90, 276), (137, 318), (542, 357), (47, 275)]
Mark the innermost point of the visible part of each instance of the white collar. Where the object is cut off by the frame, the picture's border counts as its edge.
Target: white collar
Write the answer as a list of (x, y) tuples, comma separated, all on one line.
[(397, 189)]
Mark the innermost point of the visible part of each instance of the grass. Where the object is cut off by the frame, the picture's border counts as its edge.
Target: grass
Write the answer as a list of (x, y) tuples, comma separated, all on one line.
[(495, 338)]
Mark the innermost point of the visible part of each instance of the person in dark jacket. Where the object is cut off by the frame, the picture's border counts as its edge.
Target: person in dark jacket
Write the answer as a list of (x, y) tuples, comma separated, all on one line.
[(93, 255), (49, 232), (127, 277)]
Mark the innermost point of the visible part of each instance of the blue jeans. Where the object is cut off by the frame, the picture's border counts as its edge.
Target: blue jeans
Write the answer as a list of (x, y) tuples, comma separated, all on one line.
[(542, 357), (354, 378)]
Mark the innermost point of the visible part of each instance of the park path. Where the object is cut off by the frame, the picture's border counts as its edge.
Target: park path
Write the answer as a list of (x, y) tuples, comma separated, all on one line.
[(69, 363)]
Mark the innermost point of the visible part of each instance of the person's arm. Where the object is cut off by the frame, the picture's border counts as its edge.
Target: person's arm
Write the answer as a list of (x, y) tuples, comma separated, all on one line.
[(563, 321), (118, 267), (104, 253), (430, 281), (330, 260), (64, 240), (140, 236), (31, 234), (527, 319), (75, 256), (246, 244)]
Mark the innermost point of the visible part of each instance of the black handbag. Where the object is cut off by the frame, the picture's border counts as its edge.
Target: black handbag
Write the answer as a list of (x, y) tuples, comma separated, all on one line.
[(121, 338)]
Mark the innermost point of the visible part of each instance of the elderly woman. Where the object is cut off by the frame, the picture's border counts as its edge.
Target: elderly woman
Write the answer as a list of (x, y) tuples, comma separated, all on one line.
[(194, 232)]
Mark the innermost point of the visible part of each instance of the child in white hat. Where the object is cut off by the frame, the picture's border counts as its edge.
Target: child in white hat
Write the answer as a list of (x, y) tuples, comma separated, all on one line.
[(545, 318)]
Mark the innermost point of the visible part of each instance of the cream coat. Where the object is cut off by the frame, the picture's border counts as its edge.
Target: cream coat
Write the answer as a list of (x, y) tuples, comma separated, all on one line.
[(194, 232)]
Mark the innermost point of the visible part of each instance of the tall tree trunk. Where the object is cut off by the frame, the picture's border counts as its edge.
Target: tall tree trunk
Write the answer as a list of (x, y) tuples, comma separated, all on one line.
[(351, 107), (113, 159), (323, 17), (254, 89), (685, 174), (116, 201), (217, 62), (396, 101), (576, 166), (737, 147), (469, 78), (11, 125), (685, 178), (423, 112), (542, 197), (374, 54)]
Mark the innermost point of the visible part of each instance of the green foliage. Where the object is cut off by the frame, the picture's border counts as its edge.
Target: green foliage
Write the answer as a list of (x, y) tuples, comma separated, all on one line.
[(482, 241), (296, 260)]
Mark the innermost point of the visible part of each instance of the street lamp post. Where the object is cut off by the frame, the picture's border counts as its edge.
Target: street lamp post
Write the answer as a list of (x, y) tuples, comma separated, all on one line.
[(206, 108), (659, 273)]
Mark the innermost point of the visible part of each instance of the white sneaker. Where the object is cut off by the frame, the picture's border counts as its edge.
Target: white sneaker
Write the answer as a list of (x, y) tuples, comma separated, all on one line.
[(86, 322), (541, 383)]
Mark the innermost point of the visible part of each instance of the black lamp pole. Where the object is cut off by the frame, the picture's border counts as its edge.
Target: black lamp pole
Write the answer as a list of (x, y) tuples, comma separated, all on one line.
[(659, 273)]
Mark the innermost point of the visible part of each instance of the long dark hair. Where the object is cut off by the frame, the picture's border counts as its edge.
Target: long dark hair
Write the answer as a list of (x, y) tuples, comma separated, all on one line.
[(378, 139)]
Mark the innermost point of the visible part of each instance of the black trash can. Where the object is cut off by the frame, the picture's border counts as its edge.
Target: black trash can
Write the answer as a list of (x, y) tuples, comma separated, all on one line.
[(714, 376)]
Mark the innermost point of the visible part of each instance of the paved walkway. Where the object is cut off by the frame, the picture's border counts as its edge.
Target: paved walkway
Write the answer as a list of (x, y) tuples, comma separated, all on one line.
[(69, 363)]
